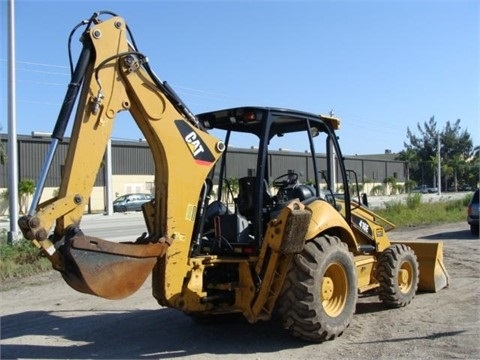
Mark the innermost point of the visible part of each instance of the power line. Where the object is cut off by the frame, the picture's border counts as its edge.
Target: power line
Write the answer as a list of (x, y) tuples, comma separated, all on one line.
[(187, 88), (37, 64), (369, 120)]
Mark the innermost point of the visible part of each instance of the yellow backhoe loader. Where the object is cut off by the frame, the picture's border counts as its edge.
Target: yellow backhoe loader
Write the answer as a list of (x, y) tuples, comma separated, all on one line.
[(275, 240)]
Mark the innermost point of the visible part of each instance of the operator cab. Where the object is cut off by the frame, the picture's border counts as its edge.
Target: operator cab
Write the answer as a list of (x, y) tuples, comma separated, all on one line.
[(270, 145)]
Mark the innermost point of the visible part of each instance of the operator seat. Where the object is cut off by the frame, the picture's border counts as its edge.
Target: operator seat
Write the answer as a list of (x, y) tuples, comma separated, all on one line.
[(246, 194), (303, 192)]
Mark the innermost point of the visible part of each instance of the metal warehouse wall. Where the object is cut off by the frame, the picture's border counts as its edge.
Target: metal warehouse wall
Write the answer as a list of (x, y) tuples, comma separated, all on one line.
[(134, 158), (31, 155), (283, 162), (376, 170)]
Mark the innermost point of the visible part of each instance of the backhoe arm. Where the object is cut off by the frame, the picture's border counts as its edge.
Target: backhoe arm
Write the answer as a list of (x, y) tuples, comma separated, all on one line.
[(115, 77)]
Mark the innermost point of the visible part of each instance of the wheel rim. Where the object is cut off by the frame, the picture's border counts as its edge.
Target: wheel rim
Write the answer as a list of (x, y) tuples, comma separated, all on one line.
[(334, 289), (405, 276)]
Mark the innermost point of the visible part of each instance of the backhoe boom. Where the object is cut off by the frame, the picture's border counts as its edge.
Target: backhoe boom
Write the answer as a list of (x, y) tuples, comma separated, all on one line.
[(115, 77)]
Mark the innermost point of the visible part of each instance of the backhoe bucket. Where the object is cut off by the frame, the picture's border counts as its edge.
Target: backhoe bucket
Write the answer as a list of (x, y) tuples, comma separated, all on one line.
[(107, 269), (433, 274)]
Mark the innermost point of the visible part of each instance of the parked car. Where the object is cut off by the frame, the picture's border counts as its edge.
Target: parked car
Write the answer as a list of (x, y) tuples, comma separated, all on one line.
[(472, 211), (465, 188), (424, 189), (130, 202)]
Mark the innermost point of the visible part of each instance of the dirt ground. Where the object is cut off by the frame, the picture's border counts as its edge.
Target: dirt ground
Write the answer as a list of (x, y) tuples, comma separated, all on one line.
[(42, 318)]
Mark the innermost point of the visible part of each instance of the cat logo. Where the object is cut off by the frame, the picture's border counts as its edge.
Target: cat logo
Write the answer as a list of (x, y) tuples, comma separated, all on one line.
[(197, 147)]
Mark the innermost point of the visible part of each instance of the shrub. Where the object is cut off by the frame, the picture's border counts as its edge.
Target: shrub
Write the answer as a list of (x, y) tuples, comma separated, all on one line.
[(466, 200), (413, 201), (398, 189), (353, 189), (26, 188), (454, 205), (20, 259), (377, 190), (394, 206)]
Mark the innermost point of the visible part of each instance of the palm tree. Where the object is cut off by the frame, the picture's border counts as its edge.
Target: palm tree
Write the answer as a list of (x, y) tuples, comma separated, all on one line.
[(3, 153), (476, 151), (25, 189)]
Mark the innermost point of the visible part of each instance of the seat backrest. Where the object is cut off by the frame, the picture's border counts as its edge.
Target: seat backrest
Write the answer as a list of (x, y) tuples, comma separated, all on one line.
[(246, 195), (303, 192), (245, 199)]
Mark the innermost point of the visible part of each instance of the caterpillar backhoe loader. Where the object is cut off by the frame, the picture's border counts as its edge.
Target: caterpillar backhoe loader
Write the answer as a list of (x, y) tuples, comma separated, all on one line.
[(287, 241)]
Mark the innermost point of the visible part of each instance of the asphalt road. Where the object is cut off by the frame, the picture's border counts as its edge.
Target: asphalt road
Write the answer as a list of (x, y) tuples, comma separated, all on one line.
[(116, 227)]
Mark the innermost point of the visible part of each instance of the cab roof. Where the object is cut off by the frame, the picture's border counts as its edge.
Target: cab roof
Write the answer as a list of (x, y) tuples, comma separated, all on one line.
[(251, 119)]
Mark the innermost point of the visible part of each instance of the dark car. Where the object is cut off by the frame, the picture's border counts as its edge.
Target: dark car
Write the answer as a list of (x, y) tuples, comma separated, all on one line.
[(472, 211), (424, 189), (130, 202)]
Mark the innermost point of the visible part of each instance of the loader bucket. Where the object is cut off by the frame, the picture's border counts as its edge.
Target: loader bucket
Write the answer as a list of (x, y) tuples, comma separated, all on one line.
[(433, 274), (107, 269)]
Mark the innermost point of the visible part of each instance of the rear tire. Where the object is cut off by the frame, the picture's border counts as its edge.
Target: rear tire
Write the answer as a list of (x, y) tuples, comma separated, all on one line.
[(398, 275), (474, 229), (320, 293)]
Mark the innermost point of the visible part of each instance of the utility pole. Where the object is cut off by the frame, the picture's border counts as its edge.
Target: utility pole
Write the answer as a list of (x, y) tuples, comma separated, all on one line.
[(12, 130), (439, 166), (108, 181)]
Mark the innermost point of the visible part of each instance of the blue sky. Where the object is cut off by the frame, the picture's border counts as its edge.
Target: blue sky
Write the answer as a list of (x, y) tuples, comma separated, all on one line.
[(381, 66)]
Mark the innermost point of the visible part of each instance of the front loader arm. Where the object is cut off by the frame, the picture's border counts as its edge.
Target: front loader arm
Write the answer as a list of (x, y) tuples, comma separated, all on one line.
[(117, 78)]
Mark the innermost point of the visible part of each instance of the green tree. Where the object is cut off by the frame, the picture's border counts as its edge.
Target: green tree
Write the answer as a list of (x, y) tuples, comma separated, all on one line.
[(410, 185), (456, 148), (411, 157), (476, 151), (230, 191), (472, 168)]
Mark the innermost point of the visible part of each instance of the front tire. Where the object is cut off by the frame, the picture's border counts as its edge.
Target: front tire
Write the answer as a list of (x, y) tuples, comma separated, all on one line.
[(320, 293), (398, 275)]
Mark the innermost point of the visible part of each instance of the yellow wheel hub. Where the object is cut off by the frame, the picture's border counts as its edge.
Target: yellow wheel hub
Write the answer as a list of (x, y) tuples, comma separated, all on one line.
[(334, 289), (327, 288), (405, 277)]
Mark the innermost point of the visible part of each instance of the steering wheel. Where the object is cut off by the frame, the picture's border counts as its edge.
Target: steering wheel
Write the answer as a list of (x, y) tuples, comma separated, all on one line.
[(285, 180)]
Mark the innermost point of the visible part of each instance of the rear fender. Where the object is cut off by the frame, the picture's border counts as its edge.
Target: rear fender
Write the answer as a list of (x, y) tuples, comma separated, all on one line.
[(324, 218)]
